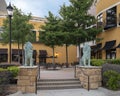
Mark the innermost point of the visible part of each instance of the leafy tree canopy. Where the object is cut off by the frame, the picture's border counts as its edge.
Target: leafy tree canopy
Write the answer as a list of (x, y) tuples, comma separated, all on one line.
[(76, 20), (20, 27), (50, 34)]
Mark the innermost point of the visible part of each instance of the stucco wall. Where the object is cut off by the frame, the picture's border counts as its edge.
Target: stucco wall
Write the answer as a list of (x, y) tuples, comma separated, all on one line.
[(112, 33)]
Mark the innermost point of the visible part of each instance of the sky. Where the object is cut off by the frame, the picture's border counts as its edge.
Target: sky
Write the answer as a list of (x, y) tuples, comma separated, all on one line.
[(39, 8)]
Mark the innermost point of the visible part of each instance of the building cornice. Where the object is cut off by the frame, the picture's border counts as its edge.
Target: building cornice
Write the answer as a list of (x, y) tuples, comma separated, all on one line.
[(108, 8)]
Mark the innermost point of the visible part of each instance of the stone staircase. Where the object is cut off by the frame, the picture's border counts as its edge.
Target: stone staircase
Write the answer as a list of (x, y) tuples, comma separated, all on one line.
[(51, 84)]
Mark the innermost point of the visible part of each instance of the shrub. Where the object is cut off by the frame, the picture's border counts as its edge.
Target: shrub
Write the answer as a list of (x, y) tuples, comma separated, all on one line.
[(113, 61), (14, 70), (113, 79), (5, 76), (2, 69), (97, 62)]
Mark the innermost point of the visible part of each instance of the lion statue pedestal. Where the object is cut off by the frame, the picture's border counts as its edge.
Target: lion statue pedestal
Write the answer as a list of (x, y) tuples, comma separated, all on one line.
[(89, 76), (28, 71)]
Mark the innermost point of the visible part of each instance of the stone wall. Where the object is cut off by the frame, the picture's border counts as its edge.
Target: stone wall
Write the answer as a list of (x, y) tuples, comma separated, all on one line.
[(27, 79), (94, 73), (11, 88), (8, 89)]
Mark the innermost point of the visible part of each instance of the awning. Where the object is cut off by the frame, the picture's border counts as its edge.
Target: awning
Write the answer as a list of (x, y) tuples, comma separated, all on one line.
[(97, 47), (42, 53), (118, 46), (3, 51), (109, 45), (110, 26), (15, 51)]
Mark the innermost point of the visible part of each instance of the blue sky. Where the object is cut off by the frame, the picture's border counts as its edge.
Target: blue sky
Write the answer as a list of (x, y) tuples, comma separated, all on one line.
[(39, 7)]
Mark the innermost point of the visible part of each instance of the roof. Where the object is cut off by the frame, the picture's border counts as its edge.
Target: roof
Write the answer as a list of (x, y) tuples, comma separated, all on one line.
[(3, 6), (34, 18)]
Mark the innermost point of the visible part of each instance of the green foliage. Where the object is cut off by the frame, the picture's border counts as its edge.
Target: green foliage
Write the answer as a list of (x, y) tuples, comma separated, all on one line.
[(2, 69), (97, 62), (3, 76), (20, 27), (2, 79), (113, 61), (76, 20), (113, 79), (14, 70), (50, 34)]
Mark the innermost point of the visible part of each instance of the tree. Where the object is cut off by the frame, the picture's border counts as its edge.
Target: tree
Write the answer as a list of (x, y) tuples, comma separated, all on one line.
[(66, 28), (20, 28), (78, 22), (50, 34)]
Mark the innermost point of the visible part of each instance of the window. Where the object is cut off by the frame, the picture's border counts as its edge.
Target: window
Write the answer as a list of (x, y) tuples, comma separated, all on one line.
[(100, 20), (119, 19), (3, 55), (111, 19), (99, 54), (34, 35), (111, 54), (1, 30)]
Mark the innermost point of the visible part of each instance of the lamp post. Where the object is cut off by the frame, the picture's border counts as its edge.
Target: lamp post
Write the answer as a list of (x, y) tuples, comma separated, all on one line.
[(10, 13)]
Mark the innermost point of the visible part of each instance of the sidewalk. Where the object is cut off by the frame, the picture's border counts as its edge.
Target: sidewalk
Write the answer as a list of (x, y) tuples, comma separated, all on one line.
[(64, 73), (72, 92), (78, 92)]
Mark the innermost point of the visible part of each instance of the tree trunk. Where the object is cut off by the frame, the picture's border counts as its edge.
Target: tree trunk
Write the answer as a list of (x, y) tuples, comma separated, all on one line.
[(22, 54), (67, 65), (53, 58), (79, 53), (18, 51)]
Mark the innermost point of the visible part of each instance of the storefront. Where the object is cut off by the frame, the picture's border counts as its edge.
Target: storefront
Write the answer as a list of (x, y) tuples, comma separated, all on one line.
[(3, 55)]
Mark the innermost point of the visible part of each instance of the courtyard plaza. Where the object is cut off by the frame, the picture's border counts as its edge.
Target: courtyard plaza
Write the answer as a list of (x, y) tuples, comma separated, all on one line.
[(66, 73)]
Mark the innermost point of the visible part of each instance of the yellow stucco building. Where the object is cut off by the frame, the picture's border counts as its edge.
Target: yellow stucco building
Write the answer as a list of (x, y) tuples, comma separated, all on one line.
[(42, 53), (108, 15)]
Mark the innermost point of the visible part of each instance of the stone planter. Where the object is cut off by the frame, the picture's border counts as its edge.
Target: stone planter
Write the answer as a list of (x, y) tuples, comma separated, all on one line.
[(90, 77), (27, 79)]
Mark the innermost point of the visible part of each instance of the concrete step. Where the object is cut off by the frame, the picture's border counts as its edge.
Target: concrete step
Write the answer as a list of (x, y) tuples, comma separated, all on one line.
[(48, 84), (46, 80), (58, 83), (58, 87)]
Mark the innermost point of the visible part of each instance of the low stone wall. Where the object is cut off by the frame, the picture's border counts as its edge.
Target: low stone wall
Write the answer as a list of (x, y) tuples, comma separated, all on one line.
[(11, 88), (26, 82), (94, 73), (8, 89), (27, 79)]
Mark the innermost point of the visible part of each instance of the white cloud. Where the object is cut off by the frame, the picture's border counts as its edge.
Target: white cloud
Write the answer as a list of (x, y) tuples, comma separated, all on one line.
[(39, 7)]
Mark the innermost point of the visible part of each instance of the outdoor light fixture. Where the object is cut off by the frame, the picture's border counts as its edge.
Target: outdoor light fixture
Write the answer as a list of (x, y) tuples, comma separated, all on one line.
[(10, 13), (56, 54)]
